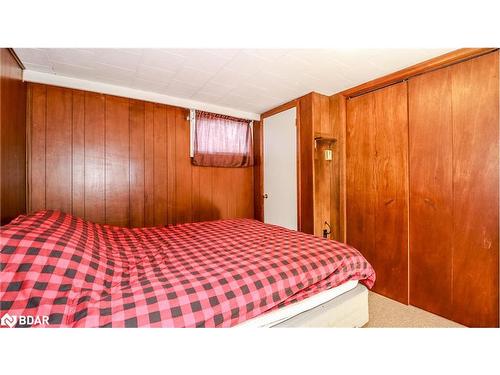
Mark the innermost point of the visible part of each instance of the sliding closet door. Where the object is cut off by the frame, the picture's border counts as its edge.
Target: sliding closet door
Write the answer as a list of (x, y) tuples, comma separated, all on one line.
[(376, 185), (475, 101), (360, 181), (453, 120), (431, 220)]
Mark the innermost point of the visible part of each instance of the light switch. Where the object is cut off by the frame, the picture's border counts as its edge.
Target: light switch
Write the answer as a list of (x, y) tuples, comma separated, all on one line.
[(328, 154)]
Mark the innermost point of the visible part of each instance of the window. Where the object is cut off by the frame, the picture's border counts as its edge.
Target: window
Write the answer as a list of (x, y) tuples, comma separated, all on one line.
[(222, 141)]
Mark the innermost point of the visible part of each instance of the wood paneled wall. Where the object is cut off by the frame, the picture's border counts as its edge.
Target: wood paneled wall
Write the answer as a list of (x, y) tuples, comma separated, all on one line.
[(305, 160), (124, 162), (12, 138), (329, 127), (337, 199)]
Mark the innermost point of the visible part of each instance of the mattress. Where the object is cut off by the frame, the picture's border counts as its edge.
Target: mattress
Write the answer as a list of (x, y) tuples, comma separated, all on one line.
[(280, 315)]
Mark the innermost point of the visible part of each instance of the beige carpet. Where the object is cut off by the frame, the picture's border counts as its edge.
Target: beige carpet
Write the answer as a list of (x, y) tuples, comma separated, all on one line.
[(385, 312)]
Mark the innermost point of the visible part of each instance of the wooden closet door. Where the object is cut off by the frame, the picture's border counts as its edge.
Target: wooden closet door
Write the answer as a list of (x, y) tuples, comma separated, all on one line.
[(391, 177), (376, 185), (431, 191), (475, 99), (360, 181)]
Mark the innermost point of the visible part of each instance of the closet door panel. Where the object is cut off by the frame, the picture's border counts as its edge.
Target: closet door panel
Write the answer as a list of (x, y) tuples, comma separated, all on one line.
[(376, 185), (475, 180), (431, 191), (360, 184), (391, 178)]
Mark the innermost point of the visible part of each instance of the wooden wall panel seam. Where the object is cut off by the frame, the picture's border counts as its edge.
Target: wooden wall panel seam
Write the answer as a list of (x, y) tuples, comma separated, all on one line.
[(72, 150), (129, 167), (452, 154), (28, 148), (84, 154), (29, 145), (105, 153), (408, 197), (144, 174), (45, 147), (153, 166)]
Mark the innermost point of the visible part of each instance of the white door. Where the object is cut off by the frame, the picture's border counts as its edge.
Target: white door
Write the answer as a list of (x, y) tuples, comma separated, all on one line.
[(280, 169)]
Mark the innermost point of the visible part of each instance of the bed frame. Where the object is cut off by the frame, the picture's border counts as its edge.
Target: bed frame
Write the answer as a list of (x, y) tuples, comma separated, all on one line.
[(347, 310)]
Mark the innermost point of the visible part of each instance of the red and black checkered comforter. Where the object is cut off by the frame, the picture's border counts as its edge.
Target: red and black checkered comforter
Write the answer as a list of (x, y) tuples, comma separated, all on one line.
[(209, 274)]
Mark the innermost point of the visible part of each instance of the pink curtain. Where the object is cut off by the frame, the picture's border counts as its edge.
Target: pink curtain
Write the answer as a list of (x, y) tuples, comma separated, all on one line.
[(222, 141)]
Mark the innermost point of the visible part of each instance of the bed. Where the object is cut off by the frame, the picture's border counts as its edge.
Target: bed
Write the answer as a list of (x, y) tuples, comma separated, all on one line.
[(224, 273)]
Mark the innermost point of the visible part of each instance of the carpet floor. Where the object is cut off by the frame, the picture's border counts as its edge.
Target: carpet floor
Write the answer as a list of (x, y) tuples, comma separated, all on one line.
[(385, 313)]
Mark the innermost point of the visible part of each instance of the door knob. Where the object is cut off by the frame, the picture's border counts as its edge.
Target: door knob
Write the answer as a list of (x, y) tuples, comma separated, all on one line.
[(265, 196)]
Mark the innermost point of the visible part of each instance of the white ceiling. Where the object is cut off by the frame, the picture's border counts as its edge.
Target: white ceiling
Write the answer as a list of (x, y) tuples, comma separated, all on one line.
[(251, 80)]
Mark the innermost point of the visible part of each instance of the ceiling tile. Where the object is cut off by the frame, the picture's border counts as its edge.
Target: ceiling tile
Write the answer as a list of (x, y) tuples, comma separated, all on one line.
[(216, 88), (114, 72), (181, 89), (146, 85), (35, 56), (71, 70), (267, 54), (247, 64), (194, 77), (149, 73), (118, 57), (204, 96), (74, 56), (162, 59), (39, 68)]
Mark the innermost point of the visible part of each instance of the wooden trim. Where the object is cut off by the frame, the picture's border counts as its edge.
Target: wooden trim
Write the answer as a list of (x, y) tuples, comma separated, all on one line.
[(420, 68), (258, 171), (342, 167), (281, 108), (18, 60), (298, 163), (28, 148)]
